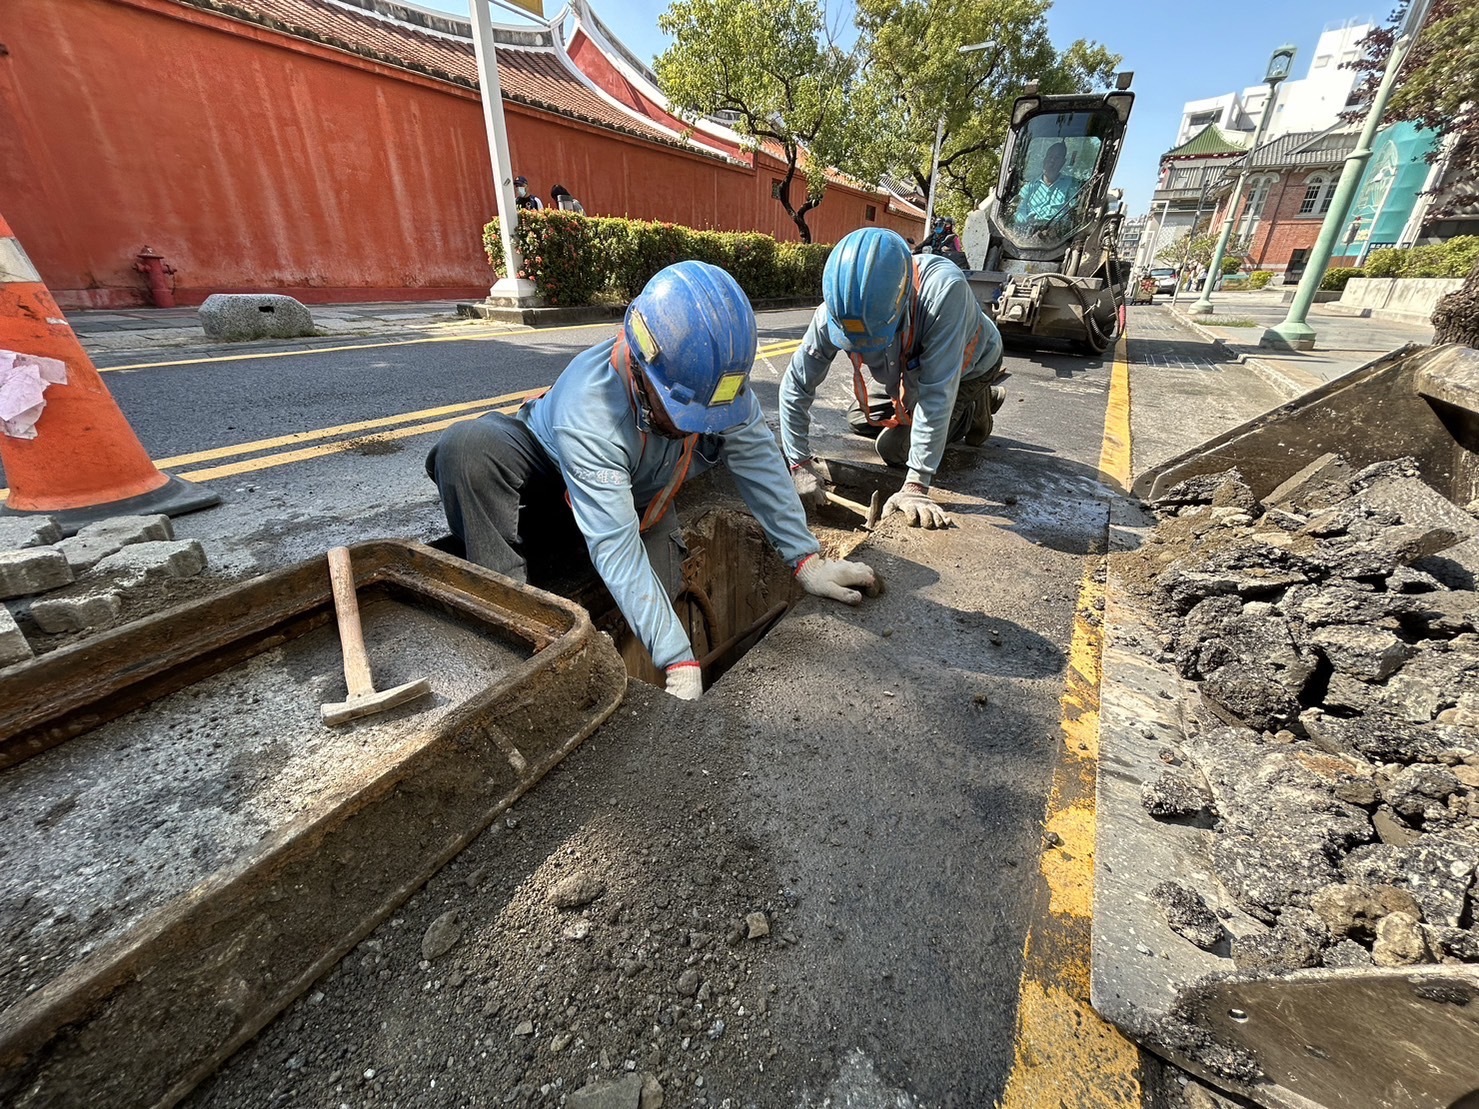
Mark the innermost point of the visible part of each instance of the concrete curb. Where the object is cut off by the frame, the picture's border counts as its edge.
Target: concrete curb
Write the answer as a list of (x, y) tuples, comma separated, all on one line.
[(589, 313), (1269, 373)]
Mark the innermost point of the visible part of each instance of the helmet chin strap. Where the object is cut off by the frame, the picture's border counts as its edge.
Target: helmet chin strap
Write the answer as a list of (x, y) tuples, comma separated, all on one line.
[(651, 416)]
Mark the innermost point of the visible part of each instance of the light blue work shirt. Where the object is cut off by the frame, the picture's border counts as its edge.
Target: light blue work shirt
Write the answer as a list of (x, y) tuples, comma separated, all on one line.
[(612, 468), (1040, 201), (955, 342)]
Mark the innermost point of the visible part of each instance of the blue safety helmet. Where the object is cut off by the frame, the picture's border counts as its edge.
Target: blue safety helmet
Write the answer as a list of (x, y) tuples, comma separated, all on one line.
[(692, 331), (866, 287)]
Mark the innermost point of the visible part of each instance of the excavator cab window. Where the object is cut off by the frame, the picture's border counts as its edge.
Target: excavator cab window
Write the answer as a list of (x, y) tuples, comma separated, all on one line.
[(1054, 173)]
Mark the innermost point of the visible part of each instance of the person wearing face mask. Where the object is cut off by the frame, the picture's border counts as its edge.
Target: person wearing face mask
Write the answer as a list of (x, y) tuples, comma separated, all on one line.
[(610, 445), (523, 197)]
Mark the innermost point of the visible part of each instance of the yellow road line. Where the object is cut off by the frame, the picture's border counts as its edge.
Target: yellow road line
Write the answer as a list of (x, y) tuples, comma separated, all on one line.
[(216, 453), (305, 351), (465, 410), (1064, 1053), (271, 461), (364, 346), (1114, 453)]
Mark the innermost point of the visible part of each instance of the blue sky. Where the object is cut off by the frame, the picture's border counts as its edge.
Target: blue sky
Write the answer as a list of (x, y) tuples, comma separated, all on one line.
[(1182, 50)]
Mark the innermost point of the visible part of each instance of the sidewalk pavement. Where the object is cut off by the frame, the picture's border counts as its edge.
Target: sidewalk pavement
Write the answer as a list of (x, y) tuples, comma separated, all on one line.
[(1186, 388), (123, 329), (1342, 342)]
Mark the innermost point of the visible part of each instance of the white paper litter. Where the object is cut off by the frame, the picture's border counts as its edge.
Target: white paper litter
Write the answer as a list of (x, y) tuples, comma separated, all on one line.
[(23, 382)]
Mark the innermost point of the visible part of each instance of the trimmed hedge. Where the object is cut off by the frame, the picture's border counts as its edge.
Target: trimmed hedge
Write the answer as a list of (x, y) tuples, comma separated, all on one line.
[(1336, 277), (574, 259), (1259, 278), (1455, 258)]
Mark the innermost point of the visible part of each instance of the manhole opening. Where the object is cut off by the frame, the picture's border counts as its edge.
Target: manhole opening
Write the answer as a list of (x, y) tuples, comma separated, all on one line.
[(735, 589)]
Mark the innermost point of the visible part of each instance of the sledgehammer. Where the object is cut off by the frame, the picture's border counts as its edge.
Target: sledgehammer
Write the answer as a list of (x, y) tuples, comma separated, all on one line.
[(870, 514), (363, 700)]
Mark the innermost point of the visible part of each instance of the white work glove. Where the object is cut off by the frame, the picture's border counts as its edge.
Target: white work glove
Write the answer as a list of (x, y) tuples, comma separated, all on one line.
[(685, 681), (812, 478), (831, 578), (914, 504)]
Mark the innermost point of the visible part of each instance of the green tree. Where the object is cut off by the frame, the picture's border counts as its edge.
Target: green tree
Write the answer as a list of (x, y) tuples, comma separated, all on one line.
[(776, 64), (914, 74), (1195, 249), (1438, 89)]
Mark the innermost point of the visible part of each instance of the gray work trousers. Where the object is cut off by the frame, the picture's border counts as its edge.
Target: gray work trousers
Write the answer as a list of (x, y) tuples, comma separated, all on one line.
[(504, 497), (972, 393)]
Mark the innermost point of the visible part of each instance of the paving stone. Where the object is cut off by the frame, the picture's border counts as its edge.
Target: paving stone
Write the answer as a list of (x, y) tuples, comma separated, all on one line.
[(81, 611), (96, 541), (32, 570), (13, 645), (235, 317), (27, 531), (178, 558), (131, 529)]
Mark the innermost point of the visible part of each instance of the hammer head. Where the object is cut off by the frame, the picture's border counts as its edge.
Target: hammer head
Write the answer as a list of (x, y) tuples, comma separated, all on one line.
[(341, 712)]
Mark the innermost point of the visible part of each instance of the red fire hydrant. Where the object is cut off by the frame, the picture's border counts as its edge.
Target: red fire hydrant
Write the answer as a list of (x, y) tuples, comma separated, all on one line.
[(159, 272)]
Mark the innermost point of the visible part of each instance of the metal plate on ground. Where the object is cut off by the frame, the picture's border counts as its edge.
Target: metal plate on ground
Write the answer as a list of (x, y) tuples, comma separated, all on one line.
[(286, 848)]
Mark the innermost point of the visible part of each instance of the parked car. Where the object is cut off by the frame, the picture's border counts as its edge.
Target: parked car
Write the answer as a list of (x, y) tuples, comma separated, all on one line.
[(1165, 280)]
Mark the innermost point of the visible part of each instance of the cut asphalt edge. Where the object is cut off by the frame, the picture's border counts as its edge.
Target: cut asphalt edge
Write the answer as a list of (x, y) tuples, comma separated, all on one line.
[(1064, 1053)]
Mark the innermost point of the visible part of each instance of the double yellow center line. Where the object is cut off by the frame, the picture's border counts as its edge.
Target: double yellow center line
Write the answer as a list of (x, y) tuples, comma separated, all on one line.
[(302, 446), (287, 449), (402, 426)]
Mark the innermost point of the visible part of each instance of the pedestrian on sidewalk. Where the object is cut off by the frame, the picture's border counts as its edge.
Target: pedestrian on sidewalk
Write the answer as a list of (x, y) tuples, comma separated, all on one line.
[(930, 351), (562, 198), (523, 197), (603, 454)]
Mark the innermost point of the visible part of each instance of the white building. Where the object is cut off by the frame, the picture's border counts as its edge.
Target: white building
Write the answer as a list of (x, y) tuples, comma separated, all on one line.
[(1311, 103)]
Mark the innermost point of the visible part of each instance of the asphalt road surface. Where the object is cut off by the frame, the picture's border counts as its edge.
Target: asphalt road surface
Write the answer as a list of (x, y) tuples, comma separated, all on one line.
[(903, 990)]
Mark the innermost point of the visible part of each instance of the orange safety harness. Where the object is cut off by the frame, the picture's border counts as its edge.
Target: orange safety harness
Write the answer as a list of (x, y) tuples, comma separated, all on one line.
[(658, 507), (910, 352)]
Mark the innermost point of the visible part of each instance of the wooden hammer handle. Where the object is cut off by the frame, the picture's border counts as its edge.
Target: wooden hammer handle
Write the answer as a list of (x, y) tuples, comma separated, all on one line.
[(351, 635)]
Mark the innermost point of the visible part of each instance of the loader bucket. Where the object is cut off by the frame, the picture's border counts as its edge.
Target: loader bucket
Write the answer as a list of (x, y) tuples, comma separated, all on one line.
[(1347, 1037), (1418, 401)]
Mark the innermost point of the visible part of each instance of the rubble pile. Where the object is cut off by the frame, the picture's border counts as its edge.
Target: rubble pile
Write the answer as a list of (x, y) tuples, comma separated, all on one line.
[(1335, 754), (50, 586)]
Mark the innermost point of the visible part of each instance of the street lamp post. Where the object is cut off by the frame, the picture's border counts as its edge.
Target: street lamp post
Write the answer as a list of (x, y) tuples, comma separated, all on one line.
[(1278, 69), (929, 208), (510, 290), (1295, 333)]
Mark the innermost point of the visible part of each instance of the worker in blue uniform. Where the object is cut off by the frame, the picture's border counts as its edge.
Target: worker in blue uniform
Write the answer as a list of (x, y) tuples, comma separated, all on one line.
[(614, 438), (932, 354)]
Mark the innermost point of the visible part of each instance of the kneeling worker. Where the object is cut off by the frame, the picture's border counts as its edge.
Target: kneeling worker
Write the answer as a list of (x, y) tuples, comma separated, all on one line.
[(623, 425), (932, 354)]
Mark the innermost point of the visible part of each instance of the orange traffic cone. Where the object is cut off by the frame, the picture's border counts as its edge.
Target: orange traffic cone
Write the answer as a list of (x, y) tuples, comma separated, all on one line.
[(85, 462)]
